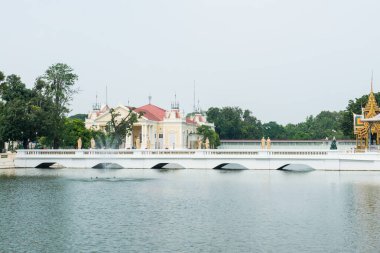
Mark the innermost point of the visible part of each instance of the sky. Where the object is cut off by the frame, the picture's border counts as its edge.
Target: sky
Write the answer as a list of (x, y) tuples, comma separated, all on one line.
[(283, 60)]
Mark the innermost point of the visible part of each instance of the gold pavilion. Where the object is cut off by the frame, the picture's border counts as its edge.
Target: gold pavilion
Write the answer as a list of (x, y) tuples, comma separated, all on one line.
[(367, 125)]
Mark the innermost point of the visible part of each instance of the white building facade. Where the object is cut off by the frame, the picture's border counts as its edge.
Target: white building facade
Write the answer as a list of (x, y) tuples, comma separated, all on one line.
[(156, 129)]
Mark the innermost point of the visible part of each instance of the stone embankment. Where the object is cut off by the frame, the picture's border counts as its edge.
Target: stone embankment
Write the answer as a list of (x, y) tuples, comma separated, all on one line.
[(7, 160)]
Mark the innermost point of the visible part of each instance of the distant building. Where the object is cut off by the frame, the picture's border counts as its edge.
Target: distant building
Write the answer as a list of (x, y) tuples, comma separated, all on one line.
[(156, 129)]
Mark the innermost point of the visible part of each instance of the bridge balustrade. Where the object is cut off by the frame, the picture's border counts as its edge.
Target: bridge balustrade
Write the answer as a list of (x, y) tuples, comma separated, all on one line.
[(193, 152)]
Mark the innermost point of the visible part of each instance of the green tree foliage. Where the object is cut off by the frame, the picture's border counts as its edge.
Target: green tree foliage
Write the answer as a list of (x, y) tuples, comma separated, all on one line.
[(73, 130), (234, 123), (208, 132), (227, 121), (251, 126), (2, 140), (325, 124), (17, 111), (80, 116), (274, 130), (57, 85)]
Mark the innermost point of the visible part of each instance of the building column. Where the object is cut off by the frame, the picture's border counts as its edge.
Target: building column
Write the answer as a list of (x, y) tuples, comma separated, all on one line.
[(128, 141), (152, 140), (164, 141), (143, 136)]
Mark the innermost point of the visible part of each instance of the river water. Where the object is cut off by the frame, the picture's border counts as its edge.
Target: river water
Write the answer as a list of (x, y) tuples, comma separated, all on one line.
[(89, 210)]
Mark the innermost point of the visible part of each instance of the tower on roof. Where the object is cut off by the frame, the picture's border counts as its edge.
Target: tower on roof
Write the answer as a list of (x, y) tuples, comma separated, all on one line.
[(175, 104), (96, 106), (371, 108)]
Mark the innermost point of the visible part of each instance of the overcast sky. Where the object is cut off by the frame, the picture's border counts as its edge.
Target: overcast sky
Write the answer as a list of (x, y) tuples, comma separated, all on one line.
[(281, 59)]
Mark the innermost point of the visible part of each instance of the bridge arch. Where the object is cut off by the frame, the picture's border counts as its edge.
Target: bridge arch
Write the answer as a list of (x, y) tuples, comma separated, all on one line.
[(296, 167), (172, 166), (230, 166), (108, 166), (46, 165)]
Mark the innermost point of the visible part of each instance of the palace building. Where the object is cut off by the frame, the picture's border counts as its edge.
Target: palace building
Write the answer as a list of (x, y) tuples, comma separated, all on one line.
[(156, 129), (367, 124)]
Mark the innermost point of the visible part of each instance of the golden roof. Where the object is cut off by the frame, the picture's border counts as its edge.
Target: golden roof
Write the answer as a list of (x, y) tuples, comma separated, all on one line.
[(371, 108)]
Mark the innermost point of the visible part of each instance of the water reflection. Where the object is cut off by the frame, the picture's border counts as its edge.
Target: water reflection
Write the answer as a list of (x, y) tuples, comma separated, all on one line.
[(111, 180), (365, 203)]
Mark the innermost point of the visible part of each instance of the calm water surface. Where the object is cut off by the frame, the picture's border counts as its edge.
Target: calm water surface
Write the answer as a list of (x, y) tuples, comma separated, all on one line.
[(75, 210)]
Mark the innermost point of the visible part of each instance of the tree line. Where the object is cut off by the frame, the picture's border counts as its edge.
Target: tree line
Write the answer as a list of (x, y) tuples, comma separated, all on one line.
[(236, 123)]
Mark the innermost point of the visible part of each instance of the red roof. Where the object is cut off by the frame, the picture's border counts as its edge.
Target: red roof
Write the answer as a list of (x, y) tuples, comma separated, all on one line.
[(152, 112), (190, 121)]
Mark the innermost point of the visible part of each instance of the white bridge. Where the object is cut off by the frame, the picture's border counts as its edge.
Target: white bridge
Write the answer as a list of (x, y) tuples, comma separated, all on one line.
[(197, 159)]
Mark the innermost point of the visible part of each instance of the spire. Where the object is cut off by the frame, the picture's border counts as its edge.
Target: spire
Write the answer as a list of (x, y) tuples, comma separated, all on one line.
[(194, 107), (96, 106), (106, 95), (175, 105), (371, 108)]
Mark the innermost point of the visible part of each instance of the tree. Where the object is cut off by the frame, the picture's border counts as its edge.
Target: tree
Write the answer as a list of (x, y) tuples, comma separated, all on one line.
[(208, 132), (227, 121), (75, 129), (274, 131), (80, 116), (251, 126), (2, 140), (16, 111), (119, 127), (327, 124), (57, 85)]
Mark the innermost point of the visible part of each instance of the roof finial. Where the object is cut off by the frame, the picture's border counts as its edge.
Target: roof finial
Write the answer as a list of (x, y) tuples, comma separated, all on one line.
[(150, 99), (175, 104), (372, 82), (96, 106), (194, 106), (106, 95)]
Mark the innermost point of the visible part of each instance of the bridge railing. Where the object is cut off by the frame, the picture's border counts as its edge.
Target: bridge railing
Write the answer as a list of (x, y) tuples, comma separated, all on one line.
[(173, 152)]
